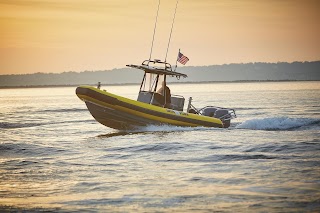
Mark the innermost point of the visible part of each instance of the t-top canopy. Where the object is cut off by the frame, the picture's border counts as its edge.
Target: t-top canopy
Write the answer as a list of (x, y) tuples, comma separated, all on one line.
[(166, 70)]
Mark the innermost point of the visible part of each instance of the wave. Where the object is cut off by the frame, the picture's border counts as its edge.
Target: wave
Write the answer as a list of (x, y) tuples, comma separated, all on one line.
[(169, 128), (278, 123), (7, 125), (236, 157), (16, 149), (64, 110), (12, 125), (154, 128)]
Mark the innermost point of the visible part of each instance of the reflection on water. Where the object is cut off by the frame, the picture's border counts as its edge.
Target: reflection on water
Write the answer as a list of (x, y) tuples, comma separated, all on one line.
[(120, 133), (55, 157)]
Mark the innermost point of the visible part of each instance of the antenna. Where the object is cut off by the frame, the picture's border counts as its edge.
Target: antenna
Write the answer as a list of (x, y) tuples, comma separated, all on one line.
[(154, 31), (174, 16)]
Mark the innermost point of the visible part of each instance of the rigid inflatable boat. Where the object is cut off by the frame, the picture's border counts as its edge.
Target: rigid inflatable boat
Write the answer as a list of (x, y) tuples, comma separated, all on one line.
[(154, 106)]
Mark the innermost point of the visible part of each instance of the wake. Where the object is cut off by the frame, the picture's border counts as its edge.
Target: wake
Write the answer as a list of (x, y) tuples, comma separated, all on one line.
[(170, 128), (269, 124), (279, 123)]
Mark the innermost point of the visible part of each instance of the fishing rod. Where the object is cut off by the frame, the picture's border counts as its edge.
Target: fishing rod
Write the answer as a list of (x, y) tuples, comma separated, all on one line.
[(155, 27), (174, 16), (154, 31)]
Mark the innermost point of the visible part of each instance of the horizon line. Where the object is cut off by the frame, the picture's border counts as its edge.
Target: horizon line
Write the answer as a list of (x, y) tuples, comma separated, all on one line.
[(242, 63)]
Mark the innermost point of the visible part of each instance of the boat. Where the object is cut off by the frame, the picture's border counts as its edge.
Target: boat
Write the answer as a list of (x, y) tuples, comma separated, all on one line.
[(151, 107), (155, 105)]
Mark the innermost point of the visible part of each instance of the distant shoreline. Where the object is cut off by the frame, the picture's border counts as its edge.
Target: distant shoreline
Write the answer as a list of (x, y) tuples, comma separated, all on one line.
[(230, 73), (129, 84)]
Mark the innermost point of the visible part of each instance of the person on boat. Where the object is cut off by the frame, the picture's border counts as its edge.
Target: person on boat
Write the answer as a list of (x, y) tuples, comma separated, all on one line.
[(165, 91)]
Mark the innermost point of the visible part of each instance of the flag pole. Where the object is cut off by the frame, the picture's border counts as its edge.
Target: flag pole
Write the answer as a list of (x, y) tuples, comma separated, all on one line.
[(177, 61)]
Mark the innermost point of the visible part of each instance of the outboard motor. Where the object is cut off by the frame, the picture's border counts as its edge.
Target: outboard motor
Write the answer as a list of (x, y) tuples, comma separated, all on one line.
[(224, 116), (220, 113), (209, 111)]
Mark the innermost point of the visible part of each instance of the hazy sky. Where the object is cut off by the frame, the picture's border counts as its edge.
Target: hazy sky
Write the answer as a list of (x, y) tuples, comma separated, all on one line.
[(78, 35)]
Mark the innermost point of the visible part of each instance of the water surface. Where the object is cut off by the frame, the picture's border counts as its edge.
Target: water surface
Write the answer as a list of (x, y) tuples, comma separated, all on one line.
[(55, 157)]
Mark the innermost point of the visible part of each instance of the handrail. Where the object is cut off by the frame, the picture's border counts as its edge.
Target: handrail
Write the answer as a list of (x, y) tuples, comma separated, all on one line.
[(168, 66), (166, 70)]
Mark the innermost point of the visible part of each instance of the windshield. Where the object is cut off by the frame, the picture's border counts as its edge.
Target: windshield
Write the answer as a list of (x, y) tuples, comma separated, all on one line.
[(149, 82), (152, 82)]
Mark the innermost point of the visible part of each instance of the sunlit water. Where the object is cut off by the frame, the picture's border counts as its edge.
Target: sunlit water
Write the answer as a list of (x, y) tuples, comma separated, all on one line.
[(55, 157)]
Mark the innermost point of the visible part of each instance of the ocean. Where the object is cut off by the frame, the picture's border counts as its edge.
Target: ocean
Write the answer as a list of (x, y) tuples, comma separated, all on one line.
[(55, 157)]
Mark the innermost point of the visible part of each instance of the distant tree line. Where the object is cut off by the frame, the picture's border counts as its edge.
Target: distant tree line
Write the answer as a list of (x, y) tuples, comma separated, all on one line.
[(296, 71)]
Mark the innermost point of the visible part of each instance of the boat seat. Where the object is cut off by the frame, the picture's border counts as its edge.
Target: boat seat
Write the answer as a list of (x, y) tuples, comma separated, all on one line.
[(158, 99), (177, 102), (146, 96)]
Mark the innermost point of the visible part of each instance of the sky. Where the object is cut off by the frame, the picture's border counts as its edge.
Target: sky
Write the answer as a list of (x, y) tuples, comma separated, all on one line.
[(76, 35)]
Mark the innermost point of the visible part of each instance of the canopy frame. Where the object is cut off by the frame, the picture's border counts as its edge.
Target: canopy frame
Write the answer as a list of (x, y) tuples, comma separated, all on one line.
[(159, 67)]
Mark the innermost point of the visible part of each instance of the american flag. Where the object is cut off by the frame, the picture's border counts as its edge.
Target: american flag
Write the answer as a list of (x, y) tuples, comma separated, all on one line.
[(182, 59)]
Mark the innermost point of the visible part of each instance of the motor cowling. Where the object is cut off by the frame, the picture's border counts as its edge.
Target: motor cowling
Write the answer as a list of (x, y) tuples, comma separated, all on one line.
[(222, 114), (209, 111)]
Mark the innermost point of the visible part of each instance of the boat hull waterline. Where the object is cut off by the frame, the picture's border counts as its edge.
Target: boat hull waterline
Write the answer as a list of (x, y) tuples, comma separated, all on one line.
[(118, 112)]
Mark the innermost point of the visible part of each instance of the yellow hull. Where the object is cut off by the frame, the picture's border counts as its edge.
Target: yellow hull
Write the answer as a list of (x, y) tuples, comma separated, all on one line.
[(122, 113)]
